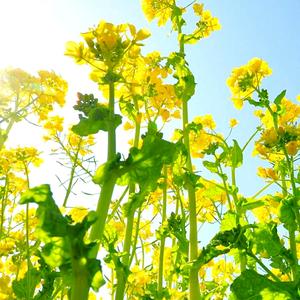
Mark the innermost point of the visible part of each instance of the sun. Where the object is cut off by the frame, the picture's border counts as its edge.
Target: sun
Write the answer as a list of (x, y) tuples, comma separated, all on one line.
[(24, 28)]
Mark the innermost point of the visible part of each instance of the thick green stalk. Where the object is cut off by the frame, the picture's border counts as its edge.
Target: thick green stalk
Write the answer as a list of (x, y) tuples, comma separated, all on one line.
[(111, 147), (292, 233), (193, 237), (194, 293), (108, 186), (121, 278), (242, 256), (80, 283)]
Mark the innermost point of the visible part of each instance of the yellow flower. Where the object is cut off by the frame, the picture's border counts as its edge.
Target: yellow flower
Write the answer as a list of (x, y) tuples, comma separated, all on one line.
[(158, 9), (138, 279), (233, 122), (245, 79), (78, 214), (267, 173), (207, 121), (198, 8), (53, 125), (223, 271), (127, 126), (292, 147), (142, 34)]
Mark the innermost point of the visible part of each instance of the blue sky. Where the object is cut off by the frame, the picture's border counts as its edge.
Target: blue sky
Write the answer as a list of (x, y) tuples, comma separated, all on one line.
[(33, 35)]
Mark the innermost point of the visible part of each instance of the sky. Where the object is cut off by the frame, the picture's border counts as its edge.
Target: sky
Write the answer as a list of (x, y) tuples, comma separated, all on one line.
[(33, 34)]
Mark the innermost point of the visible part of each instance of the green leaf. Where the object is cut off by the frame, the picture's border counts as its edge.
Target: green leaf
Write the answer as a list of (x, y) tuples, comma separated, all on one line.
[(105, 171), (62, 238), (287, 215), (279, 98), (211, 166), (50, 218), (220, 244), (237, 155), (229, 221), (251, 285), (185, 86), (98, 118), (249, 204), (21, 288), (265, 238)]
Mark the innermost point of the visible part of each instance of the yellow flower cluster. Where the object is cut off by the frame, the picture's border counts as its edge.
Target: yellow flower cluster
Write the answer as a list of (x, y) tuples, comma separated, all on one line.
[(271, 142), (109, 49), (269, 211), (204, 27), (18, 159), (158, 9), (244, 80), (146, 83), (34, 94), (137, 282), (69, 143), (201, 139)]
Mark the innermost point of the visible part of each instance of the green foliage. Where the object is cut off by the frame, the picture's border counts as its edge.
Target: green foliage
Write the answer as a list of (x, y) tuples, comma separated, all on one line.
[(143, 166), (221, 243), (279, 98), (21, 288), (185, 86), (287, 214), (251, 285), (96, 116), (64, 241), (236, 155)]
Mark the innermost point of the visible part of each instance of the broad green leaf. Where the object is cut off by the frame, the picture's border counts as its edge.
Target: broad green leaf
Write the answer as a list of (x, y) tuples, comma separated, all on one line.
[(50, 218), (220, 244), (107, 170), (21, 288), (279, 98), (251, 285), (211, 166), (264, 237), (287, 215), (236, 155), (229, 221), (98, 119), (61, 237), (185, 86), (249, 204)]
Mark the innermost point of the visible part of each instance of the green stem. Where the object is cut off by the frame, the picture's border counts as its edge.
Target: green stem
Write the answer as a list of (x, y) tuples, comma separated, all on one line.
[(242, 255), (121, 277), (111, 147), (3, 206), (109, 184), (69, 188), (193, 235), (28, 277), (135, 240), (163, 238), (80, 283), (264, 266), (103, 207)]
